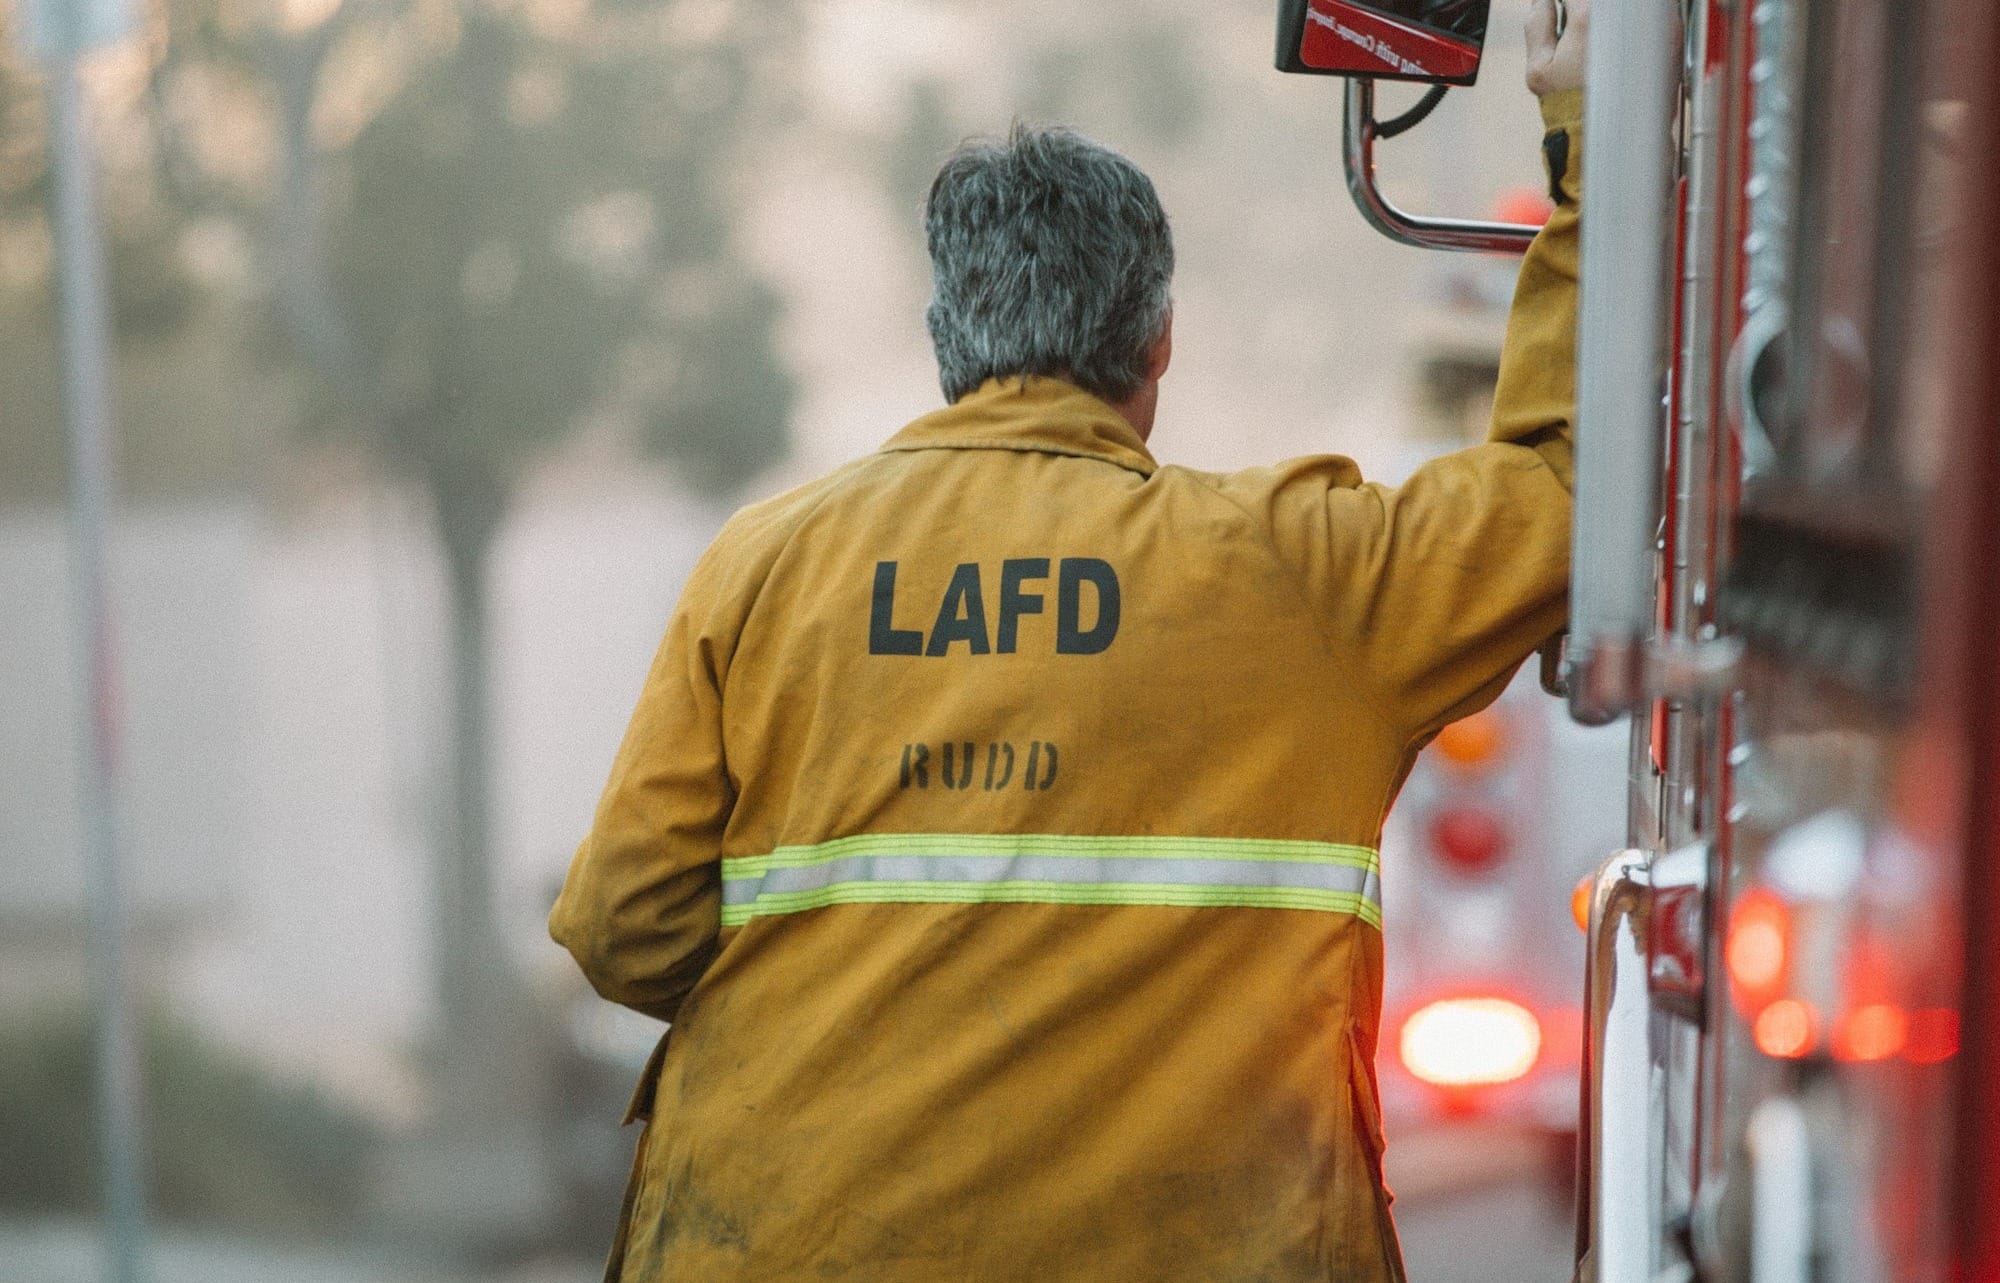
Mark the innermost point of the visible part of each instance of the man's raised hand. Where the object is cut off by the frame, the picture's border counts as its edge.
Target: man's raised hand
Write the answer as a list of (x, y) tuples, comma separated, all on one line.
[(1555, 62)]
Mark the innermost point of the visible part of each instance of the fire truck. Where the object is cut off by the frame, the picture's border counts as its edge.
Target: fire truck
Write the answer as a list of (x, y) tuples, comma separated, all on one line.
[(1787, 578)]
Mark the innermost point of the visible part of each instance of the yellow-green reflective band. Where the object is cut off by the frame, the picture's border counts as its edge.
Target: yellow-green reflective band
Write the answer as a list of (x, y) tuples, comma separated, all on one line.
[(1055, 869), (1256, 850)]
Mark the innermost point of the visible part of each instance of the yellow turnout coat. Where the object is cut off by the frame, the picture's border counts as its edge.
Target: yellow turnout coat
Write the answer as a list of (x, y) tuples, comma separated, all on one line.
[(997, 830)]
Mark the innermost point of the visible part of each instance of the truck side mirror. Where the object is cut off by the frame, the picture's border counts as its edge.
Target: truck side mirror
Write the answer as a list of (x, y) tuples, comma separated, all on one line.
[(1434, 41)]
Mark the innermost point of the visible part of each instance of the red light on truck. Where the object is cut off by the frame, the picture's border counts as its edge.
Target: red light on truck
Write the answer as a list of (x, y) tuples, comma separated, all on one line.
[(1468, 837), (1523, 205), (1579, 900), (1933, 1036), (1786, 1029), (1757, 949), (1874, 1032), (1471, 1042), (1472, 742)]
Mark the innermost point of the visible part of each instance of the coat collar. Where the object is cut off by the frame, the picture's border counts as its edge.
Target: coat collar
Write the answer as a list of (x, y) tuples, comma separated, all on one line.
[(1033, 413)]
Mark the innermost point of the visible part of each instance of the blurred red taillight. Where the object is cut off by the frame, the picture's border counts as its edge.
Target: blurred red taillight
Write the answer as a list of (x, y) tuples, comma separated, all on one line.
[(1470, 1042), (1473, 743), (1874, 1032), (1757, 950), (1932, 1036), (1579, 900), (1469, 838), (1787, 1029)]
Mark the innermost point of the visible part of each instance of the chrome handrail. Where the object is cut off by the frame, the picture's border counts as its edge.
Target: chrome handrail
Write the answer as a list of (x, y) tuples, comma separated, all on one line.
[(1358, 157), (1616, 1241)]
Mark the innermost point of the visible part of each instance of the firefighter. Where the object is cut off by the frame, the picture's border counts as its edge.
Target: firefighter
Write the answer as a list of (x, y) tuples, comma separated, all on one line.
[(997, 826)]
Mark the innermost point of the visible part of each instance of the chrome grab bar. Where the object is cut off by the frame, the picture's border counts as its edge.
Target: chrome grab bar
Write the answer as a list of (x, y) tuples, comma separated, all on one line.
[(1615, 1232), (1358, 156), (1628, 244)]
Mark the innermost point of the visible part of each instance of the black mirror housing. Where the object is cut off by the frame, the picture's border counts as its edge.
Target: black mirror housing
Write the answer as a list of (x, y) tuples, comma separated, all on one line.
[(1435, 42)]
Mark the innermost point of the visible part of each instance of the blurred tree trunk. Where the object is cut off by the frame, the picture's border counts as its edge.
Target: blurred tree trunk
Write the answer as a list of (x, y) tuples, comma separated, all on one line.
[(480, 1174), (474, 988)]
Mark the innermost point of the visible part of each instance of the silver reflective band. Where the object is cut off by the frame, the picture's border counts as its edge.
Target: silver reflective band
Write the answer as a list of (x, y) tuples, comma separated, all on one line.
[(907, 868)]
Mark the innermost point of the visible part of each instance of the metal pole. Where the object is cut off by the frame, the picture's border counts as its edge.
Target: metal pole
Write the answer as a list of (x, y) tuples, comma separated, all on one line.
[(86, 373), (1622, 349)]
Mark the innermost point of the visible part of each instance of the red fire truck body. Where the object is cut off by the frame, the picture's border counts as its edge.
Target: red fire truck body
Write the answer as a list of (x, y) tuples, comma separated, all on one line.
[(1787, 575), (1790, 1024), (1788, 1028)]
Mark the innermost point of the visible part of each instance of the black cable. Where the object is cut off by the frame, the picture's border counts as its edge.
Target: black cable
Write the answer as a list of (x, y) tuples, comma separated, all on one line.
[(1415, 116)]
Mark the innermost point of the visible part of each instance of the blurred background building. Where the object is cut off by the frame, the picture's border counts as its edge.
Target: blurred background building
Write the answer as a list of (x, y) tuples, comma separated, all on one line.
[(448, 332)]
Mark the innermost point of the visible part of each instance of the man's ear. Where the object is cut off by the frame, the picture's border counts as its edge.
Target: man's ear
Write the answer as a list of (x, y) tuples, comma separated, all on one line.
[(1161, 354)]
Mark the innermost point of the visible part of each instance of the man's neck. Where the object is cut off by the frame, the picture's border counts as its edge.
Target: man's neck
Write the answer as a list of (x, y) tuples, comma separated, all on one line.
[(1139, 408)]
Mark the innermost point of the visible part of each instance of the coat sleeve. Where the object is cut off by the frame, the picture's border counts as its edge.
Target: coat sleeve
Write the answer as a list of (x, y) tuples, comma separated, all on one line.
[(1442, 586), (641, 909)]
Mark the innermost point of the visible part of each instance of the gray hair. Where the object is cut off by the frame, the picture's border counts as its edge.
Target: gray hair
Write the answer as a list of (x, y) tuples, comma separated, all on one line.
[(1050, 255)]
